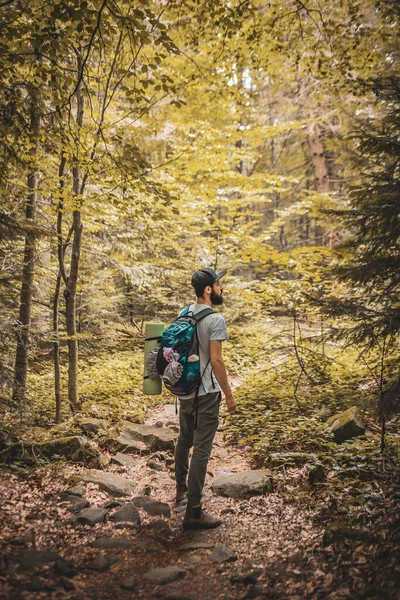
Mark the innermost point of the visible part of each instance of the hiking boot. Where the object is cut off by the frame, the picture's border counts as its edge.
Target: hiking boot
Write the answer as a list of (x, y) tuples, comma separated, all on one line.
[(181, 492), (197, 518)]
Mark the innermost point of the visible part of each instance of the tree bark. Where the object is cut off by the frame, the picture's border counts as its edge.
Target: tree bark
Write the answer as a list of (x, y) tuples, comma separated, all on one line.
[(321, 179), (70, 291), (28, 270), (56, 352)]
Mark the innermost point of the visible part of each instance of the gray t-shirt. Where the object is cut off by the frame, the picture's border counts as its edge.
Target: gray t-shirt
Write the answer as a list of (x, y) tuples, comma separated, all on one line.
[(209, 329)]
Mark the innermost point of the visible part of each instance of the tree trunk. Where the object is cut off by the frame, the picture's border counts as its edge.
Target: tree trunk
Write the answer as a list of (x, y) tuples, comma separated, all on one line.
[(56, 351), (28, 270), (70, 291), (321, 178)]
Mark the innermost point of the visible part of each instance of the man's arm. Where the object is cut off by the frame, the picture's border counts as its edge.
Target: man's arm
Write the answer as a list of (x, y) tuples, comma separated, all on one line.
[(218, 366)]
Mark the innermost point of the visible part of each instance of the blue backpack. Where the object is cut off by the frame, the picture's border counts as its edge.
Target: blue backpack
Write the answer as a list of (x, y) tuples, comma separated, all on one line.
[(181, 343)]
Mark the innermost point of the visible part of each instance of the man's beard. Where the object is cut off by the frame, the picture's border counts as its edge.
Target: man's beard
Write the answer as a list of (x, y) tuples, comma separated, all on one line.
[(216, 299)]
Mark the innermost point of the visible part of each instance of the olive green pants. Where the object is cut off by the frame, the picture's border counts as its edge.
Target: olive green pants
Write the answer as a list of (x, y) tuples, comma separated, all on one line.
[(201, 439)]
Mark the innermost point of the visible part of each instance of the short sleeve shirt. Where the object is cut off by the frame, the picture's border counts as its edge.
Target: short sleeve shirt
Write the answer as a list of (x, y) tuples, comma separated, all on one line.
[(211, 328)]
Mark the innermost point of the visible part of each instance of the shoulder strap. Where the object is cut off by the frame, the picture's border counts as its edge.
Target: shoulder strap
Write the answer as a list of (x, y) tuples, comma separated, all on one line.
[(204, 313)]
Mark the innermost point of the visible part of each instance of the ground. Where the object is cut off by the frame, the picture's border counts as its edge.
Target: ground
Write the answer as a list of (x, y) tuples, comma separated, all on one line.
[(282, 544)]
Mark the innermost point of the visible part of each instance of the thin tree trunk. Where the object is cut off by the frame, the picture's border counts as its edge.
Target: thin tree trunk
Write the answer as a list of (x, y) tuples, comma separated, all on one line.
[(56, 351), (70, 291), (316, 145), (28, 270)]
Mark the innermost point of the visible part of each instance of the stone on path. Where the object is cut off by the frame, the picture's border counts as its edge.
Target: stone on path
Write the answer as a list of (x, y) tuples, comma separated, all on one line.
[(165, 575), (153, 464), (346, 425), (76, 490), (155, 508), (128, 512), (124, 443), (115, 485), (91, 516), (103, 563), (155, 438), (76, 504), (94, 426), (195, 546), (65, 568), (160, 527), (243, 485), (124, 460), (128, 584), (33, 559), (76, 448), (112, 543), (222, 554)]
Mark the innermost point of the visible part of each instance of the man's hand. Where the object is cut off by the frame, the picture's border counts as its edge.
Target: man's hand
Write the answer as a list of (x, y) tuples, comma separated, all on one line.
[(230, 403)]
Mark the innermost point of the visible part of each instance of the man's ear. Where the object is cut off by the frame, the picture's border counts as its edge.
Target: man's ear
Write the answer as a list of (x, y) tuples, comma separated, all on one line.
[(208, 289)]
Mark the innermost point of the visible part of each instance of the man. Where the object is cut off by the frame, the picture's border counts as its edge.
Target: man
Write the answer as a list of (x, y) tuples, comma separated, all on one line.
[(211, 333)]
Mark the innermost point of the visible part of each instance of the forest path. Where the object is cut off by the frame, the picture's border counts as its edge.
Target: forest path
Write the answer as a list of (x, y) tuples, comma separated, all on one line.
[(278, 548)]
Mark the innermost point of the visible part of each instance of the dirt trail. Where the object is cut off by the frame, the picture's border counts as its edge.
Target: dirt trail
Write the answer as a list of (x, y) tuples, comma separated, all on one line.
[(278, 548)]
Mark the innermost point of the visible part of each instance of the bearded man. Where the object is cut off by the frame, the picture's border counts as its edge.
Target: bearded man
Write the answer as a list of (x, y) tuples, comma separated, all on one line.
[(211, 331)]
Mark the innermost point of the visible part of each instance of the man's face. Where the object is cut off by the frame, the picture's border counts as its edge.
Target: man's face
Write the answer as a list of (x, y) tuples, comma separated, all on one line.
[(216, 294)]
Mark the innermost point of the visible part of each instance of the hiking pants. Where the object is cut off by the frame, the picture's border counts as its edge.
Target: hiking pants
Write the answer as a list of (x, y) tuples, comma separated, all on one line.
[(201, 439)]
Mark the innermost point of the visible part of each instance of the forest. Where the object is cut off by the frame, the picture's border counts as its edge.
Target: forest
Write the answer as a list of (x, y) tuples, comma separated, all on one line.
[(140, 141)]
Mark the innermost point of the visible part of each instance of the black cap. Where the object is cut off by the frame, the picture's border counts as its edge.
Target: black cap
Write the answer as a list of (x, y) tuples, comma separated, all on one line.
[(207, 276)]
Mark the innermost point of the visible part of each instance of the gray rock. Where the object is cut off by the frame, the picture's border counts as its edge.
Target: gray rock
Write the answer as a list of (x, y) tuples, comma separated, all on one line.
[(76, 504), (65, 568), (160, 527), (109, 482), (91, 516), (76, 490), (113, 504), (103, 563), (155, 508), (124, 460), (252, 592), (223, 554), (346, 425), (33, 559), (195, 546), (316, 473), (112, 543), (128, 513), (291, 459), (74, 448), (243, 485), (94, 426), (152, 464), (165, 575), (128, 584), (155, 438)]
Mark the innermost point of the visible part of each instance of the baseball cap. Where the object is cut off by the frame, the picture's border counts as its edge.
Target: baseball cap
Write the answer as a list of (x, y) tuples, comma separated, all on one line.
[(207, 276)]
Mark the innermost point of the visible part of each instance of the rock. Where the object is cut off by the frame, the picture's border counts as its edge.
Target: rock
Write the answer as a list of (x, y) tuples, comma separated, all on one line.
[(155, 438), (94, 426), (316, 473), (33, 559), (159, 424), (253, 592), (112, 504), (76, 504), (67, 584), (109, 482), (128, 584), (195, 546), (152, 464), (346, 425), (165, 575), (91, 516), (124, 443), (75, 448), (128, 512), (160, 527), (243, 485), (76, 490), (223, 554), (155, 508), (112, 543), (124, 460), (65, 568), (103, 563)]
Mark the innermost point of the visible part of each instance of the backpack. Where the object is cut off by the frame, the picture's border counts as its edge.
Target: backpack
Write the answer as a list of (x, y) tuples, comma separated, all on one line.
[(178, 356)]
